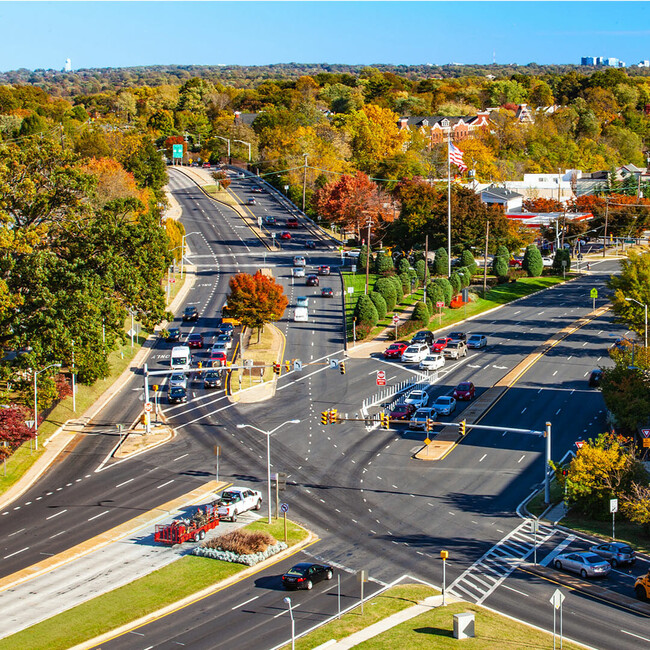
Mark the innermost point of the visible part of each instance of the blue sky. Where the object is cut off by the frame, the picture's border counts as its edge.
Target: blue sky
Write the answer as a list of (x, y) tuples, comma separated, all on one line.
[(118, 34)]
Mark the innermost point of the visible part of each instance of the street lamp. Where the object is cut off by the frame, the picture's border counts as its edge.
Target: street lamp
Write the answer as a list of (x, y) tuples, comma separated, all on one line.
[(36, 374), (645, 316), (228, 141), (287, 600), (249, 148), (183, 238), (268, 435)]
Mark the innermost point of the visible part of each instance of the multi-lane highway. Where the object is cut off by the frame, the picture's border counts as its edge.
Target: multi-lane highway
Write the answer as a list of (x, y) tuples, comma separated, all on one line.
[(360, 490)]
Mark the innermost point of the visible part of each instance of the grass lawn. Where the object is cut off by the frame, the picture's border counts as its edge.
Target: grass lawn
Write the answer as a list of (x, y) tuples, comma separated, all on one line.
[(178, 580), (626, 531), (266, 351)]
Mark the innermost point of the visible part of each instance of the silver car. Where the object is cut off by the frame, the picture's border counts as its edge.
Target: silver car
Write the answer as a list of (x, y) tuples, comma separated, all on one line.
[(415, 353), (444, 405), (419, 418), (586, 564), (418, 398), (178, 379), (476, 341), (432, 362), (224, 339), (616, 553)]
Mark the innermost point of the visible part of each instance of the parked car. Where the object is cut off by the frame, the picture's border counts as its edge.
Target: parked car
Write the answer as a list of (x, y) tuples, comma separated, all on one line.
[(616, 553), (444, 405), (312, 281), (415, 353), (176, 395), (191, 313), (440, 344), (324, 270), (305, 575), (402, 412), (455, 349), (285, 235), (299, 272), (195, 340), (432, 362), (178, 379), (270, 220), (585, 563), (299, 260), (173, 334), (327, 292), (464, 391), (420, 417), (595, 377), (419, 398), (251, 201), (476, 341), (225, 339), (236, 500), (516, 262), (423, 336), (206, 165), (302, 301), (212, 379), (457, 336), (395, 350)]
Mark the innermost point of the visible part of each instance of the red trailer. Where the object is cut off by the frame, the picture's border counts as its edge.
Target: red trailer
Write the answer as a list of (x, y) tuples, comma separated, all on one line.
[(186, 530)]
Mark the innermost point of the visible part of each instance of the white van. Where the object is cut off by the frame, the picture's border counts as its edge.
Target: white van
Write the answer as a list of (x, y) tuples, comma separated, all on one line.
[(301, 315), (181, 358)]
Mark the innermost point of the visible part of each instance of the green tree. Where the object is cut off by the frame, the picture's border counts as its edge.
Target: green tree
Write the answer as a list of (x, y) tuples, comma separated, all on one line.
[(532, 262), (441, 262), (562, 255), (421, 313), (365, 311), (420, 268), (632, 281), (446, 289), (364, 252), (379, 303), (465, 276), (383, 263), (500, 262), (405, 280), (454, 280), (399, 291), (387, 289), (435, 293), (467, 260), (403, 265)]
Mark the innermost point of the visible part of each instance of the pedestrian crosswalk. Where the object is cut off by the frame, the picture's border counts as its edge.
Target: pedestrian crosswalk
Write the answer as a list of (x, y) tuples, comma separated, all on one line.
[(491, 569)]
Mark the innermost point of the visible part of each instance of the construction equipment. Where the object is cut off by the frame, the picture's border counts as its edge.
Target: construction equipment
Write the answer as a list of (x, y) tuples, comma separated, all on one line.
[(189, 529)]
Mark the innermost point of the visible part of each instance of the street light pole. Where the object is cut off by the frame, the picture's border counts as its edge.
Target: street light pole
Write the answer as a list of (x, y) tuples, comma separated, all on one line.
[(547, 472), (36, 374), (183, 238), (287, 600), (268, 435), (249, 148), (645, 318)]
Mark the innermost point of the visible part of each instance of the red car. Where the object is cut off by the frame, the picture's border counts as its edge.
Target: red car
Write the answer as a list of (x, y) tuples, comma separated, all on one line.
[(394, 350), (285, 235), (516, 262), (218, 358), (195, 340), (402, 412), (440, 344), (464, 391), (292, 222)]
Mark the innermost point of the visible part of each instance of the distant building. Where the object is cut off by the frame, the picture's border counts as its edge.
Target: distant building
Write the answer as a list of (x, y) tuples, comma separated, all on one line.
[(438, 128), (605, 61), (509, 199), (68, 66), (643, 64)]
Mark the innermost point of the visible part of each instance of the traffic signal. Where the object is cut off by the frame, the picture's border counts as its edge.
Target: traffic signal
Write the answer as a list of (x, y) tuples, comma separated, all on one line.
[(565, 472), (155, 388), (342, 367), (429, 425), (384, 420), (287, 365), (324, 417), (200, 364), (463, 427), (276, 368), (333, 416)]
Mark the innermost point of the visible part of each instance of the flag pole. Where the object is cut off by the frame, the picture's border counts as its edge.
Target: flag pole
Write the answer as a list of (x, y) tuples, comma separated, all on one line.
[(449, 205)]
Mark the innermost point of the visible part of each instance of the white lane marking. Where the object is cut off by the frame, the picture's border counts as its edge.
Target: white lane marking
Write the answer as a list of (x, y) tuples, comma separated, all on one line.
[(101, 514), (125, 482), (524, 456), (163, 485), (56, 514), (557, 550), (16, 553), (558, 411), (555, 373), (55, 535), (183, 456), (516, 591), (16, 533), (482, 457), (638, 636), (523, 411), (250, 600)]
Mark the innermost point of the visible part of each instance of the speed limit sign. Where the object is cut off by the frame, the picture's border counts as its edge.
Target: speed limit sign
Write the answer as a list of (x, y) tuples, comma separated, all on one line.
[(148, 407)]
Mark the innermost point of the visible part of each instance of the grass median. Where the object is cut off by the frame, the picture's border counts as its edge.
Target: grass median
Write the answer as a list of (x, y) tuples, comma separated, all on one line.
[(148, 594)]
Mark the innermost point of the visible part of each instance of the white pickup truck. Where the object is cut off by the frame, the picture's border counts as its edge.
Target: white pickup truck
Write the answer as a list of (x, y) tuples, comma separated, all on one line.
[(236, 500)]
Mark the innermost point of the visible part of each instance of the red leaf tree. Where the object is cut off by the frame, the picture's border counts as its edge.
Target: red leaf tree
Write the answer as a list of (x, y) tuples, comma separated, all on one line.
[(13, 430)]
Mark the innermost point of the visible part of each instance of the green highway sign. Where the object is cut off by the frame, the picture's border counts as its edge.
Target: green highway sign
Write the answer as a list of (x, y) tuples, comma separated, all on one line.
[(177, 151)]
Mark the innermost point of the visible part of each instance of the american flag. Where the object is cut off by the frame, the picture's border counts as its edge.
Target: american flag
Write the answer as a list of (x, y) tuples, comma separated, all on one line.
[(456, 157)]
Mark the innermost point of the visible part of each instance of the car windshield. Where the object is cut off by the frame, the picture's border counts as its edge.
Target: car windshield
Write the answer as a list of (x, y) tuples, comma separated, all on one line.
[(296, 571), (177, 377), (416, 394), (623, 549), (400, 407), (423, 413), (177, 390), (441, 341), (412, 348), (212, 375)]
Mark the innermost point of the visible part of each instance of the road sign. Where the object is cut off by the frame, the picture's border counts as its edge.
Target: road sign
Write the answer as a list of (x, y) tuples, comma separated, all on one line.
[(381, 377), (646, 442), (613, 505), (273, 235), (334, 363), (353, 268), (427, 441), (593, 293), (297, 365), (440, 305), (284, 507), (148, 407), (395, 319), (645, 433), (557, 599), (177, 151), (580, 443)]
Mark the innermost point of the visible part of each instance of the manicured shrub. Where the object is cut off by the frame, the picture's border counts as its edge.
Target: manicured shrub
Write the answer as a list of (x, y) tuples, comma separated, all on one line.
[(421, 313), (420, 268), (386, 288), (454, 280), (365, 311), (467, 259), (403, 266), (447, 291), (363, 256), (562, 254), (532, 262), (399, 292), (500, 266), (405, 280), (379, 303), (430, 305), (383, 263), (414, 276), (435, 292), (441, 262)]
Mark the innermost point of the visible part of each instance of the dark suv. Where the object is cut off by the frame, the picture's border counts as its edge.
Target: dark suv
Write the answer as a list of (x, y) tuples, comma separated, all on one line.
[(458, 336), (424, 336), (191, 313)]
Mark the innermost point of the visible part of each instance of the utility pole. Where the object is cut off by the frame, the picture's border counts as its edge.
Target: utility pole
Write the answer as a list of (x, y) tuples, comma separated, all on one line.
[(304, 183), (487, 235), (368, 257), (606, 217), (426, 265), (448, 207)]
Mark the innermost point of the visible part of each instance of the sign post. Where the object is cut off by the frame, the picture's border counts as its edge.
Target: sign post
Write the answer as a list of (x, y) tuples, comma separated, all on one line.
[(613, 508), (594, 294), (556, 600), (444, 555), (395, 321), (284, 508), (217, 453), (362, 576)]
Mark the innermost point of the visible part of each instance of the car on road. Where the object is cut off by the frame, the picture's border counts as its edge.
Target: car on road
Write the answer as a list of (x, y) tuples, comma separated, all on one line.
[(191, 313), (258, 190), (455, 349), (220, 346), (312, 281), (251, 201), (324, 269), (298, 272), (225, 339), (310, 243), (457, 336), (225, 328), (305, 575), (327, 292), (616, 553), (195, 340), (585, 563), (235, 500), (173, 334), (285, 235), (420, 417), (440, 344), (476, 341), (444, 405), (176, 395), (595, 377), (395, 350), (299, 260), (402, 412), (206, 165), (212, 379), (415, 353), (302, 301), (423, 336), (432, 362), (419, 398), (178, 379), (218, 356), (464, 391), (270, 220), (292, 222)]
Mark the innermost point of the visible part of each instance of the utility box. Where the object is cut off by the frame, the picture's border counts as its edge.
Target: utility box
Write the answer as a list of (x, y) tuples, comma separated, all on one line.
[(464, 625)]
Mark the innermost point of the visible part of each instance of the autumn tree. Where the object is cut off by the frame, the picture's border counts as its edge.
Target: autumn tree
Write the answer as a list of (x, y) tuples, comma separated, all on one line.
[(632, 281), (635, 505), (256, 300), (13, 430)]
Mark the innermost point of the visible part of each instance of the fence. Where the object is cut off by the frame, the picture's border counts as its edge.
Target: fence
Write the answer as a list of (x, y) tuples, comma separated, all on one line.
[(420, 381)]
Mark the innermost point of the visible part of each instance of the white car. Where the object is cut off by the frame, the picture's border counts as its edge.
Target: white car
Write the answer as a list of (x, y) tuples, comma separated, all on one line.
[(418, 398), (224, 339), (432, 362), (178, 379), (299, 272), (235, 500), (415, 353), (299, 261), (221, 346), (444, 405), (547, 262), (476, 341)]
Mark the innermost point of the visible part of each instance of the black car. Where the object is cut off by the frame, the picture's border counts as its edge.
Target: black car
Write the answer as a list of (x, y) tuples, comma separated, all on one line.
[(327, 292), (212, 379), (595, 377), (305, 575), (225, 328), (191, 313), (173, 334), (458, 336), (312, 281), (176, 395), (424, 336)]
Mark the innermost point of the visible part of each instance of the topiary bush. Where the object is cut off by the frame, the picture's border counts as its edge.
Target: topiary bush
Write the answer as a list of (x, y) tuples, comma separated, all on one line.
[(532, 262), (421, 313), (403, 266), (405, 280), (441, 262), (365, 311), (414, 276), (363, 256), (447, 290), (465, 276), (430, 305), (454, 280), (398, 287), (420, 268), (383, 263), (467, 260), (500, 266), (560, 255), (435, 292), (379, 303), (386, 288)]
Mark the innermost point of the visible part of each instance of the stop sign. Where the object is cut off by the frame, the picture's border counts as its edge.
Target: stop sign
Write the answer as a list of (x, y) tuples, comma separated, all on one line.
[(381, 377)]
